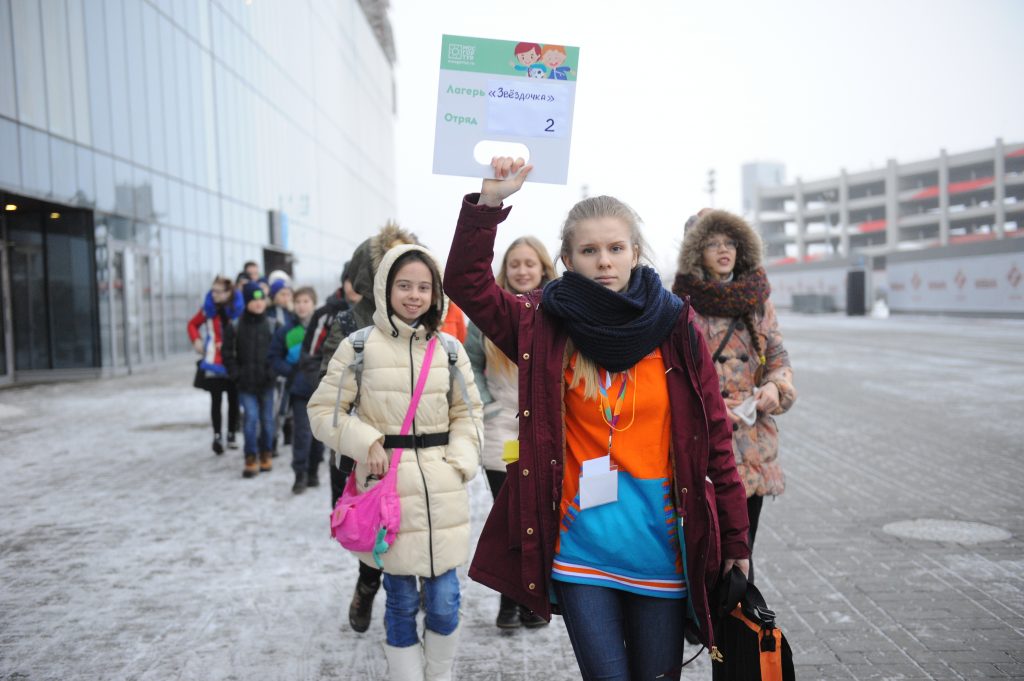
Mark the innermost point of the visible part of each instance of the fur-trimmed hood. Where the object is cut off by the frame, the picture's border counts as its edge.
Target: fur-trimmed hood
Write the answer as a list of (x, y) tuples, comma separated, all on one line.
[(748, 251), (370, 253)]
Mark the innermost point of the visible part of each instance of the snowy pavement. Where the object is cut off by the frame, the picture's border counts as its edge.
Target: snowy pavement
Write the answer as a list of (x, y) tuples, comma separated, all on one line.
[(129, 551)]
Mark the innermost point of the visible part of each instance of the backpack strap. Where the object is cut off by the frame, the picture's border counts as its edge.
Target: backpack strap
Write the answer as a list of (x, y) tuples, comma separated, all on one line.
[(451, 346), (358, 339)]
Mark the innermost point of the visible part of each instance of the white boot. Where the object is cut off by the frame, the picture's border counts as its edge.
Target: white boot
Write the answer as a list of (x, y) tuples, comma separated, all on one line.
[(404, 664), (440, 654)]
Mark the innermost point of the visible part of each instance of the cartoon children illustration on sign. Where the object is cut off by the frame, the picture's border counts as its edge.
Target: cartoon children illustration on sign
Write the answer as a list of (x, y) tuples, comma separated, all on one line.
[(527, 54), (537, 71), (553, 56)]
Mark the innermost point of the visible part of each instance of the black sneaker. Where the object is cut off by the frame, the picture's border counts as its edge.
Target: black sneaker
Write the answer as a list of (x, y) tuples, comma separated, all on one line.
[(232, 443), (361, 609), (300, 483), (218, 445), (508, 614), (312, 479), (530, 619)]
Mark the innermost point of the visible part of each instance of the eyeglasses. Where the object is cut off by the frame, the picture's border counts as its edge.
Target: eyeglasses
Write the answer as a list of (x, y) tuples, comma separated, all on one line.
[(729, 245)]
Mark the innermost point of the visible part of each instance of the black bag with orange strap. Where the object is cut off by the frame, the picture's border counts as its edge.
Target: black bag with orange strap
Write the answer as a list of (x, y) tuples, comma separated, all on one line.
[(749, 645)]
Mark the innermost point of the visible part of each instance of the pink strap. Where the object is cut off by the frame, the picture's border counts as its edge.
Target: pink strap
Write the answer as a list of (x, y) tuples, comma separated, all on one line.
[(410, 415)]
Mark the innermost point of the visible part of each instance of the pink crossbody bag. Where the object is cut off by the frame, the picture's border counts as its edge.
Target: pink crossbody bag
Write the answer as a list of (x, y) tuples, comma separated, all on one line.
[(369, 522)]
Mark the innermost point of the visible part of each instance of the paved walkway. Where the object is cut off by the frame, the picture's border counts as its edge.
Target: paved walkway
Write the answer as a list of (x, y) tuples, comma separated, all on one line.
[(129, 551)]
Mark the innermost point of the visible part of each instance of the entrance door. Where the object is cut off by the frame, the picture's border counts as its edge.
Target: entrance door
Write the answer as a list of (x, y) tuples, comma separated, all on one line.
[(28, 282), (48, 311)]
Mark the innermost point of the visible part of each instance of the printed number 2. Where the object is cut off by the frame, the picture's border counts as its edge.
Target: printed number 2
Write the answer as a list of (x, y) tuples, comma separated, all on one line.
[(551, 125)]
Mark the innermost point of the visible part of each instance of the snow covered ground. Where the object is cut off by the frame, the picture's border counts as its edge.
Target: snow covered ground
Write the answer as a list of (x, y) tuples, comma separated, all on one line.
[(129, 551)]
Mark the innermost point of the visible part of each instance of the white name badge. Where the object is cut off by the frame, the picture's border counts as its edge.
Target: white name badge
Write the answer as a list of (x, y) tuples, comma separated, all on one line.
[(599, 483), (504, 98)]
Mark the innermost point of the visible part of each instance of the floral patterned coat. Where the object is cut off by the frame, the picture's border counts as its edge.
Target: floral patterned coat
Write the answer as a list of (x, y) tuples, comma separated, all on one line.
[(756, 447)]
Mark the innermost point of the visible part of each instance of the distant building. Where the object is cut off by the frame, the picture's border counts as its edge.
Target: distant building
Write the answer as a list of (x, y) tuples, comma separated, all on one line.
[(760, 174), (949, 199), (146, 146), (932, 236)]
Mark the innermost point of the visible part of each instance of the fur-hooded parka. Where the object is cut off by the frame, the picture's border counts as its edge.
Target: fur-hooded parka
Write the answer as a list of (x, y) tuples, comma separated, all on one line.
[(756, 447), (748, 253), (434, 535)]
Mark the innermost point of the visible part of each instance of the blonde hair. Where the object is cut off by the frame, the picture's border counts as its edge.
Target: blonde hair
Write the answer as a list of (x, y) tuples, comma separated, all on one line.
[(496, 359), (594, 208)]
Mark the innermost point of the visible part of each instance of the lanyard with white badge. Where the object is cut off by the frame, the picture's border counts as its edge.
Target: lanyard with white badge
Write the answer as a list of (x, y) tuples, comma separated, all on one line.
[(599, 480)]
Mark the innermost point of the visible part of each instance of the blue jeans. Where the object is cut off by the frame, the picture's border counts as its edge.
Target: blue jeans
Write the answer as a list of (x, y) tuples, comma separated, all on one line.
[(618, 635), (259, 421), (307, 452), (441, 594)]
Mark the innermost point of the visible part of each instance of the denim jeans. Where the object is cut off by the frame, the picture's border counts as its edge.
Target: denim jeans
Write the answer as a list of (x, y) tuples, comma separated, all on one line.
[(618, 635), (441, 594), (259, 421), (307, 452)]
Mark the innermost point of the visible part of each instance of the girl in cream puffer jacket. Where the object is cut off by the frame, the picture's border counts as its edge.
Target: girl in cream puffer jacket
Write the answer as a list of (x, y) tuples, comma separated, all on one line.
[(434, 535)]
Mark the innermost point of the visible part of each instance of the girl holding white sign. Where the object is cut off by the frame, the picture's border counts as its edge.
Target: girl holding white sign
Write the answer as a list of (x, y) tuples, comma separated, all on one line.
[(624, 504)]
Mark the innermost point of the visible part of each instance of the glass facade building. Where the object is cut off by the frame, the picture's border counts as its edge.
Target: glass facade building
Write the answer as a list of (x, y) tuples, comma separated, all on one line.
[(149, 145)]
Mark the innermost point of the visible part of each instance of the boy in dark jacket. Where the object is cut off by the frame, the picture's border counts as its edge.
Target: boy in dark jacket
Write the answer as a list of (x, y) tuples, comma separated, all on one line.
[(286, 358), (247, 359)]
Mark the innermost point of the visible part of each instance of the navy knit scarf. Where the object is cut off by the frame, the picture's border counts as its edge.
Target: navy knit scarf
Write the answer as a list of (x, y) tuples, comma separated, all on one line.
[(615, 330)]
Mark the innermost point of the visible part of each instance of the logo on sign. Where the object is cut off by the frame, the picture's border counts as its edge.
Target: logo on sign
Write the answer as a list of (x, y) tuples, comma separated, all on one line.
[(960, 279), (1014, 276), (916, 281), (462, 54)]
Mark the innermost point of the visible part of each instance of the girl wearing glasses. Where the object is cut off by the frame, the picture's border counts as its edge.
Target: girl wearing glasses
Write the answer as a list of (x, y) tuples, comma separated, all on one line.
[(720, 270)]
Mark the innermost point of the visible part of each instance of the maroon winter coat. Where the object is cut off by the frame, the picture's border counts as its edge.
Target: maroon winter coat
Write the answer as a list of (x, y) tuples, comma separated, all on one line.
[(517, 545)]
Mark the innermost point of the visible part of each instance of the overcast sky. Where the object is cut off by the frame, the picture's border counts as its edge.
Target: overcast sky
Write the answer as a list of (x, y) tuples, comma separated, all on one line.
[(667, 90)]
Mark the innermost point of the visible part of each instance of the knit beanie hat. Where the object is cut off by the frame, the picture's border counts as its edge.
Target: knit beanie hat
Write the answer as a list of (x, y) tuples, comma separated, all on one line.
[(252, 291), (276, 286)]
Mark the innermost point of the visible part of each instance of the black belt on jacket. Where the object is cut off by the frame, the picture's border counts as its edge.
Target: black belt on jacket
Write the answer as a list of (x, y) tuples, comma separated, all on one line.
[(422, 440)]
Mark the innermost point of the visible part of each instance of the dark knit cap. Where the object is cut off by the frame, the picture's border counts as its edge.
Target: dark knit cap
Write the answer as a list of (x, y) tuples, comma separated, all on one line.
[(253, 291)]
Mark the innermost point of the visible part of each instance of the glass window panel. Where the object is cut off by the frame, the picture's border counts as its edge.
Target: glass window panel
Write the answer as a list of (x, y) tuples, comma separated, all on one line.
[(175, 207), (105, 193), (154, 89), (8, 103), (208, 150), (98, 86), (169, 85), (118, 72), (159, 197), (10, 168), (143, 194), (30, 76), (136, 66), (195, 100), (124, 188), (58, 67), (85, 194), (202, 22), (62, 167), (69, 257), (35, 160), (188, 204), (184, 107), (79, 71)]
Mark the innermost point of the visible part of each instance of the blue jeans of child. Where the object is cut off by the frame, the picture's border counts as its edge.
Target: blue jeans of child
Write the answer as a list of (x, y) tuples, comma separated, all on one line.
[(259, 421), (441, 594), (307, 452), (618, 635)]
